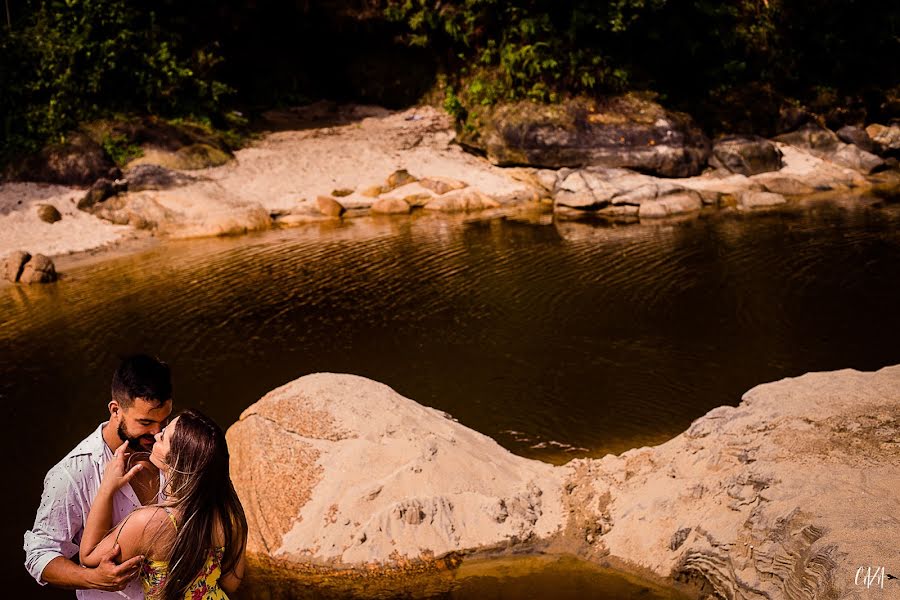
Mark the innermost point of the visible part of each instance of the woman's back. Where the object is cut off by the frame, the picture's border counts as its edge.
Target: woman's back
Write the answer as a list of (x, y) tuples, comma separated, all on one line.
[(154, 571)]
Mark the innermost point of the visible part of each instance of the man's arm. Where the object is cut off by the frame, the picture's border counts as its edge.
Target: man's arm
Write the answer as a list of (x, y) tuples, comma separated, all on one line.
[(48, 545), (108, 576)]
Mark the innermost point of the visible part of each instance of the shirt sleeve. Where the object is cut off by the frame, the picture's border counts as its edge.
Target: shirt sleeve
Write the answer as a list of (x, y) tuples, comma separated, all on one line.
[(59, 521)]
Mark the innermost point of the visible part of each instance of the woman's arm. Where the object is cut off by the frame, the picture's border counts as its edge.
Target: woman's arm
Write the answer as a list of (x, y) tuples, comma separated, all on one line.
[(97, 539)]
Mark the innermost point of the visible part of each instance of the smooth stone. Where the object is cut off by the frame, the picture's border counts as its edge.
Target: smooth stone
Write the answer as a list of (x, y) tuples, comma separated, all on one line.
[(329, 207), (154, 177), (48, 213), (390, 206)]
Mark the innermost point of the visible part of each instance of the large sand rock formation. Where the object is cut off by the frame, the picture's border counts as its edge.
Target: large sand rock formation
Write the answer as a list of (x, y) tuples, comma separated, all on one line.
[(785, 496)]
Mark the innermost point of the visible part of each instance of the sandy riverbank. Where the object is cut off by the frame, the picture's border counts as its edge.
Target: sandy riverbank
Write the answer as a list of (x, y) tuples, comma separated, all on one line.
[(345, 152)]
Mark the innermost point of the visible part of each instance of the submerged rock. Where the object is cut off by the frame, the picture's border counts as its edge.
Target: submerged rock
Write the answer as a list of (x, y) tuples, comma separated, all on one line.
[(623, 131), (753, 199)]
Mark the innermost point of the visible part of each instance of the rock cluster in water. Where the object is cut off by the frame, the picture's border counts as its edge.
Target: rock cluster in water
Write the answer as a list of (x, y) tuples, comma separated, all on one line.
[(784, 496), (21, 267)]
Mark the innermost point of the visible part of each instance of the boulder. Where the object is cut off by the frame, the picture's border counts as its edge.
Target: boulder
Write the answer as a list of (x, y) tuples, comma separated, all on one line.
[(811, 137), (329, 207), (414, 194), (390, 206), (858, 136), (154, 177), (622, 131), (672, 205), (442, 185), (464, 200), (341, 192), (39, 269), (338, 473), (14, 264), (787, 186), (78, 161), (48, 213), (753, 199), (100, 191), (854, 157), (421, 485), (746, 155), (398, 178), (888, 137)]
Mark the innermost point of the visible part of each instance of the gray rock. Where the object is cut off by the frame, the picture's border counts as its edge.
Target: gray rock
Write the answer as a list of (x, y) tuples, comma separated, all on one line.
[(857, 136), (622, 131), (753, 199), (746, 155), (329, 207), (14, 264), (854, 157), (48, 213), (39, 269), (154, 177)]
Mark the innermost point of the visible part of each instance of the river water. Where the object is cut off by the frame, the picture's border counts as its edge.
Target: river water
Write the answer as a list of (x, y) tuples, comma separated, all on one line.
[(559, 340)]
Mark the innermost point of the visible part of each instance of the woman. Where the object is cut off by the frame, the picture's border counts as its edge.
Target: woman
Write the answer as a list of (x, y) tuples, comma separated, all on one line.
[(193, 542)]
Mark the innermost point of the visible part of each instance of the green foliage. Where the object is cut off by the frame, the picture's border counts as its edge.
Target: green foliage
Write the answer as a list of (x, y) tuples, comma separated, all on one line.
[(120, 149), (526, 49), (79, 59)]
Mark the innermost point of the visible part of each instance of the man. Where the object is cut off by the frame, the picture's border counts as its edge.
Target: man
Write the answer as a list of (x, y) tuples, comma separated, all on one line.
[(140, 407)]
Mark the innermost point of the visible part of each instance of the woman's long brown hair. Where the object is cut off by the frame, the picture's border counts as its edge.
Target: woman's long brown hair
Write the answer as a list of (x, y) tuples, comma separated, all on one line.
[(200, 487)]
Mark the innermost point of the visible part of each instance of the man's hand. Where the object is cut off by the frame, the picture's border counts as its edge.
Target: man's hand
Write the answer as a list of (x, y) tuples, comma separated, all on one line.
[(111, 577)]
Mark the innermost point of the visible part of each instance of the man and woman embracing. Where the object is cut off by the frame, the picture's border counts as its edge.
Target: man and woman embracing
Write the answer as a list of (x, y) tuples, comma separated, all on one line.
[(146, 503)]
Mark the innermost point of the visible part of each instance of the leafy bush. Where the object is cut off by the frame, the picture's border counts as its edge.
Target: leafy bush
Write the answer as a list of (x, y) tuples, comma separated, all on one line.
[(78, 59)]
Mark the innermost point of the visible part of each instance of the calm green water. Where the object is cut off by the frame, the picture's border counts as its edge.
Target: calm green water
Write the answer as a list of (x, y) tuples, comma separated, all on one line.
[(558, 340)]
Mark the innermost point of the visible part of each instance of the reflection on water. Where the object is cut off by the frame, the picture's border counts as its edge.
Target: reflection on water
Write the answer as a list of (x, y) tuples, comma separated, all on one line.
[(558, 340), (513, 578)]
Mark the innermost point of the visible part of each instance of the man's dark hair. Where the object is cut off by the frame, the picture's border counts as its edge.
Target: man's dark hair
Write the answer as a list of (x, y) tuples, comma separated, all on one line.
[(144, 377)]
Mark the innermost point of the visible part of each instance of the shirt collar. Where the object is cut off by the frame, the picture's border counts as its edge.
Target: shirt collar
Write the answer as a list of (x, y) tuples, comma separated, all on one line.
[(94, 445)]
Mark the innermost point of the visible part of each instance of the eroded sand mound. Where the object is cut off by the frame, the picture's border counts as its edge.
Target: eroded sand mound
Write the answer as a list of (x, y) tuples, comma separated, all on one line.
[(784, 496)]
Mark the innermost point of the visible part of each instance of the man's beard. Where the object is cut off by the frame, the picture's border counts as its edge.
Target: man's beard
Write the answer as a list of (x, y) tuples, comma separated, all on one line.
[(134, 443)]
